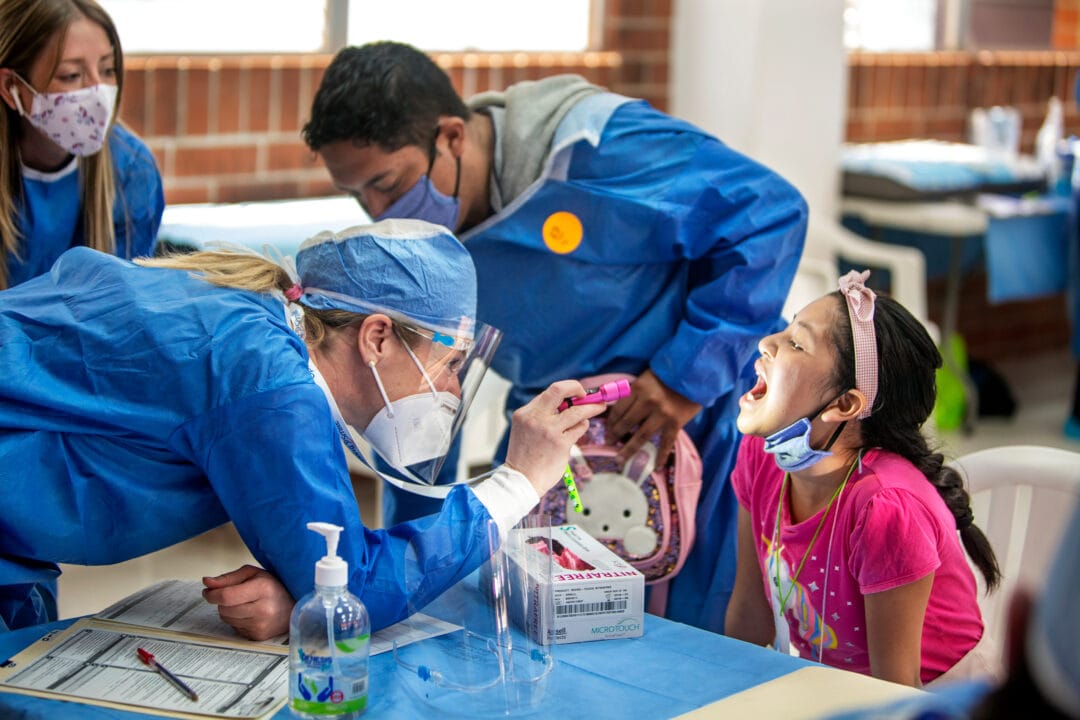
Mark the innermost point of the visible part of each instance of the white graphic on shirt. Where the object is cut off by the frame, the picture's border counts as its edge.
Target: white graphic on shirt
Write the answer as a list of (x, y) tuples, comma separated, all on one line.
[(798, 607)]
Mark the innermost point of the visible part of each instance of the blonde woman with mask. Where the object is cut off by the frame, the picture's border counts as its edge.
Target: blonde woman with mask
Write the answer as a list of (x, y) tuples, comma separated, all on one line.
[(153, 402), (70, 173)]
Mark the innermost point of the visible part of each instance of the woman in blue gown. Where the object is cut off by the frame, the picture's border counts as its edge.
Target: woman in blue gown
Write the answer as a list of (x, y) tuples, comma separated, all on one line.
[(70, 173), (144, 404)]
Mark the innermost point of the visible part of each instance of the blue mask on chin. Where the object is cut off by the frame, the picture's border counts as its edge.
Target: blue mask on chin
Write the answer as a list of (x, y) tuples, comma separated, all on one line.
[(423, 201), (791, 445)]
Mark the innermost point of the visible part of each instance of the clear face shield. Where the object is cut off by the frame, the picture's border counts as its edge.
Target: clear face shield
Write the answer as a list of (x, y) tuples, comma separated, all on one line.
[(425, 402), (483, 651)]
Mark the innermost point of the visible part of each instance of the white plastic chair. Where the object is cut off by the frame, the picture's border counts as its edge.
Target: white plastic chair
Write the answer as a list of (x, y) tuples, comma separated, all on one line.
[(1022, 497), (828, 241)]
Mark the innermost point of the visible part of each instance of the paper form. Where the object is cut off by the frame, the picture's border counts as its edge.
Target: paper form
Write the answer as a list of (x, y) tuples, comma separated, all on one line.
[(95, 660), (99, 664), (175, 605), (178, 605)]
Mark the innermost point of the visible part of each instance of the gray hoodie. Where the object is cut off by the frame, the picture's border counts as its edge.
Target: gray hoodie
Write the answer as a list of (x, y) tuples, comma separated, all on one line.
[(524, 119)]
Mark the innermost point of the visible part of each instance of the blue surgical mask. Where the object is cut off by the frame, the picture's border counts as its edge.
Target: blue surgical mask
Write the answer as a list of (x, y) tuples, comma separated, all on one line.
[(791, 445), (424, 202)]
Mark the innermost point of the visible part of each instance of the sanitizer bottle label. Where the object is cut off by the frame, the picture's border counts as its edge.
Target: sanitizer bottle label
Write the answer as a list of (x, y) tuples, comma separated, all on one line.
[(318, 692)]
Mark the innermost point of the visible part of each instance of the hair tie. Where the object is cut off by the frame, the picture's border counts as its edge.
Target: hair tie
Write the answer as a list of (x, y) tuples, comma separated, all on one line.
[(293, 294), (860, 305), (966, 520)]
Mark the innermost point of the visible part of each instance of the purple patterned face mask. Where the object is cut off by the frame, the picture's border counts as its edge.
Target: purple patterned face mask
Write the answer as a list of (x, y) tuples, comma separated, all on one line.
[(77, 120)]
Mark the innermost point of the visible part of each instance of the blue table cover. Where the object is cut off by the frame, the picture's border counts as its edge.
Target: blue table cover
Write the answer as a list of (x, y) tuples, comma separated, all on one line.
[(670, 670)]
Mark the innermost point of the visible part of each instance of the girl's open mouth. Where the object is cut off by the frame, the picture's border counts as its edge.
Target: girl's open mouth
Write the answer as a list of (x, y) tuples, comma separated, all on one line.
[(760, 388), (756, 393)]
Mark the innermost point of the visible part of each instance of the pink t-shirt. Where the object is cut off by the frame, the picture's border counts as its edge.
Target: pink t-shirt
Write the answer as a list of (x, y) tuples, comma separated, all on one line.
[(892, 528)]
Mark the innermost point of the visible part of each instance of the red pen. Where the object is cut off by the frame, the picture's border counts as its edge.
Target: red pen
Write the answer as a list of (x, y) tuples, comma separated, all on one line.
[(148, 657)]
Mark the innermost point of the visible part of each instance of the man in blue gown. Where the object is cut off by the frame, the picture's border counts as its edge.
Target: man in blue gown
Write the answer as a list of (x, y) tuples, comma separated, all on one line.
[(607, 237)]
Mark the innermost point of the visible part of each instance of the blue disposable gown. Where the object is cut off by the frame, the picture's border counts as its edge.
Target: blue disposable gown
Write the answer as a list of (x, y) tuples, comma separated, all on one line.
[(50, 216), (140, 407), (687, 253)]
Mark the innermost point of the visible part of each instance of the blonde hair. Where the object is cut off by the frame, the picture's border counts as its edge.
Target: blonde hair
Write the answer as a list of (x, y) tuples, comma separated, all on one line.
[(26, 29), (247, 271)]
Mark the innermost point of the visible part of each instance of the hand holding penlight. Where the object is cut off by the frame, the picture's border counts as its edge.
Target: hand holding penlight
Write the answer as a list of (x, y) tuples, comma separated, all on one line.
[(607, 393)]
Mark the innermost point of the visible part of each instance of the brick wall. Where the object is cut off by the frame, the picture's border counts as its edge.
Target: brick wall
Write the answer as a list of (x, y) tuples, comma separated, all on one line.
[(892, 96), (226, 129), (1065, 30)]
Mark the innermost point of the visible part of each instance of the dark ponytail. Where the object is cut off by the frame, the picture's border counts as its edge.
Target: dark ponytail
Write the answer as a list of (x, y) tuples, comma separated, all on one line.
[(907, 361)]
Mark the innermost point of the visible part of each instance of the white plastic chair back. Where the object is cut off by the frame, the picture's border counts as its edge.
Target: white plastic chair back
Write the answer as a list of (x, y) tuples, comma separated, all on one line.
[(1022, 497), (827, 242)]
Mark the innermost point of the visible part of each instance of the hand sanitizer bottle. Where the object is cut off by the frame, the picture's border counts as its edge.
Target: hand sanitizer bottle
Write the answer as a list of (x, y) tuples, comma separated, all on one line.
[(329, 642)]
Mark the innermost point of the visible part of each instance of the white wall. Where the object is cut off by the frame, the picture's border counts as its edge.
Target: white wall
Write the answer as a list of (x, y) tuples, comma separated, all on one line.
[(767, 77)]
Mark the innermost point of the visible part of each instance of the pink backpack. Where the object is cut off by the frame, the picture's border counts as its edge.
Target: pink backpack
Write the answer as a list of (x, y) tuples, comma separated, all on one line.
[(642, 513)]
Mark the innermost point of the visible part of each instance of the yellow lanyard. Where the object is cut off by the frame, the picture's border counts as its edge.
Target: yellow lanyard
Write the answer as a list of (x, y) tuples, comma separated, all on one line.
[(821, 523)]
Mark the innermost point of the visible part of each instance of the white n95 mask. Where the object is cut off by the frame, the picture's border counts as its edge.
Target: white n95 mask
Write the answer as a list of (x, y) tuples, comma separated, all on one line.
[(414, 429), (77, 121)]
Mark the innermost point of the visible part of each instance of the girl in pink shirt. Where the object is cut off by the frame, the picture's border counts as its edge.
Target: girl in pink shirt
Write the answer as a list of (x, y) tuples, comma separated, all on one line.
[(848, 545)]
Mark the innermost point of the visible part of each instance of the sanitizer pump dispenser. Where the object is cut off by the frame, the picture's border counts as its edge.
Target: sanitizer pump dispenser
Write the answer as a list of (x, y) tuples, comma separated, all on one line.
[(329, 641)]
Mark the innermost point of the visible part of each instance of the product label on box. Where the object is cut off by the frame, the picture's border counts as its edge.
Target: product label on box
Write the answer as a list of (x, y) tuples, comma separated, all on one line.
[(585, 600), (594, 594)]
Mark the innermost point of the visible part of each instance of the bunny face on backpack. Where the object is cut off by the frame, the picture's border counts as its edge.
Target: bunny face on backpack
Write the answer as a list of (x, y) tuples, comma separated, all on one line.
[(642, 513), (614, 506)]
